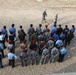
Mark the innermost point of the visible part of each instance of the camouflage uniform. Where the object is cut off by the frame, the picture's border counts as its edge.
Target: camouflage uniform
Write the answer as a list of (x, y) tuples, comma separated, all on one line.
[(34, 57), (45, 56), (24, 57), (30, 31), (54, 55)]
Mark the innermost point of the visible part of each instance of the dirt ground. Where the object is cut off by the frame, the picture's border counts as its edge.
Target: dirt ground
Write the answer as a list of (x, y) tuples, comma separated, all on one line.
[(25, 12)]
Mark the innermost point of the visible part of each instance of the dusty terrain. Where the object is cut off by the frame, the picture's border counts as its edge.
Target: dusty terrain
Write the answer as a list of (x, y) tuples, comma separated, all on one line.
[(25, 12)]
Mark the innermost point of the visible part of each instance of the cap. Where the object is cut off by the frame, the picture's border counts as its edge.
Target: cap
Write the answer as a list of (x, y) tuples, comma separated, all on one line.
[(23, 50), (46, 25), (24, 41), (47, 46), (33, 41), (10, 41), (35, 48)]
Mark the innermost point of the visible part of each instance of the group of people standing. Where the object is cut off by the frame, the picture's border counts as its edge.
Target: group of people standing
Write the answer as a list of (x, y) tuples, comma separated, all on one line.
[(42, 45)]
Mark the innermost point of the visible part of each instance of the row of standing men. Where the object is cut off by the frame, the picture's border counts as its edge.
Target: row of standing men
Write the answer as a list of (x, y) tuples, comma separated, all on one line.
[(49, 43)]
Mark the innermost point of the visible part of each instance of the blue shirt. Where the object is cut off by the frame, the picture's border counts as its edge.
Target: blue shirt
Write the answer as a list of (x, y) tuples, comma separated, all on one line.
[(4, 31), (13, 30), (59, 43), (56, 36), (72, 30), (63, 51), (62, 36), (53, 29)]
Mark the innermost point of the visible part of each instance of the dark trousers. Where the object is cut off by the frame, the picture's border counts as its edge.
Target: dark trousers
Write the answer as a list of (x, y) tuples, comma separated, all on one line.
[(23, 63), (12, 63), (61, 57), (67, 42), (40, 52), (1, 64), (2, 51)]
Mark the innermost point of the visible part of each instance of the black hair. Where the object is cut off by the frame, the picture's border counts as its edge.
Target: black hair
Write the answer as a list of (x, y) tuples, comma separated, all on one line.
[(21, 27), (4, 27), (13, 25), (31, 25)]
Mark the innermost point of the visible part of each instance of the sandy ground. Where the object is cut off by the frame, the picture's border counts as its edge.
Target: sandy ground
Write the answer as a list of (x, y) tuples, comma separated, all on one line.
[(25, 12)]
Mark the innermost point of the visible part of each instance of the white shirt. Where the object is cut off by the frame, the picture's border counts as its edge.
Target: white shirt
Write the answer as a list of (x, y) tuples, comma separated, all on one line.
[(2, 37), (11, 56)]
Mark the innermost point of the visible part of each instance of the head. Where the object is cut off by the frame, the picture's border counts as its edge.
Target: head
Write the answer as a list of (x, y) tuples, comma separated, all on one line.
[(4, 27), (54, 23), (66, 26), (20, 26), (40, 25), (31, 25), (60, 25), (73, 26), (13, 25)]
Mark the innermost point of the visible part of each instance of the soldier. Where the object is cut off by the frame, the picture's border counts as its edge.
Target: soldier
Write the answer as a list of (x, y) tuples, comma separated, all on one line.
[(54, 55), (40, 37), (56, 17), (10, 46), (33, 36), (39, 29), (34, 56), (50, 43), (45, 56), (31, 30), (45, 29), (23, 55), (44, 16)]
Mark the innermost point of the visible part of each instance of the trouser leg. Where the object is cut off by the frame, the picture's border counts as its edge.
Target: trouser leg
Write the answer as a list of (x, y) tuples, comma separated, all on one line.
[(13, 63), (25, 62), (9, 62), (42, 61), (1, 64), (61, 57), (2, 51), (22, 63)]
